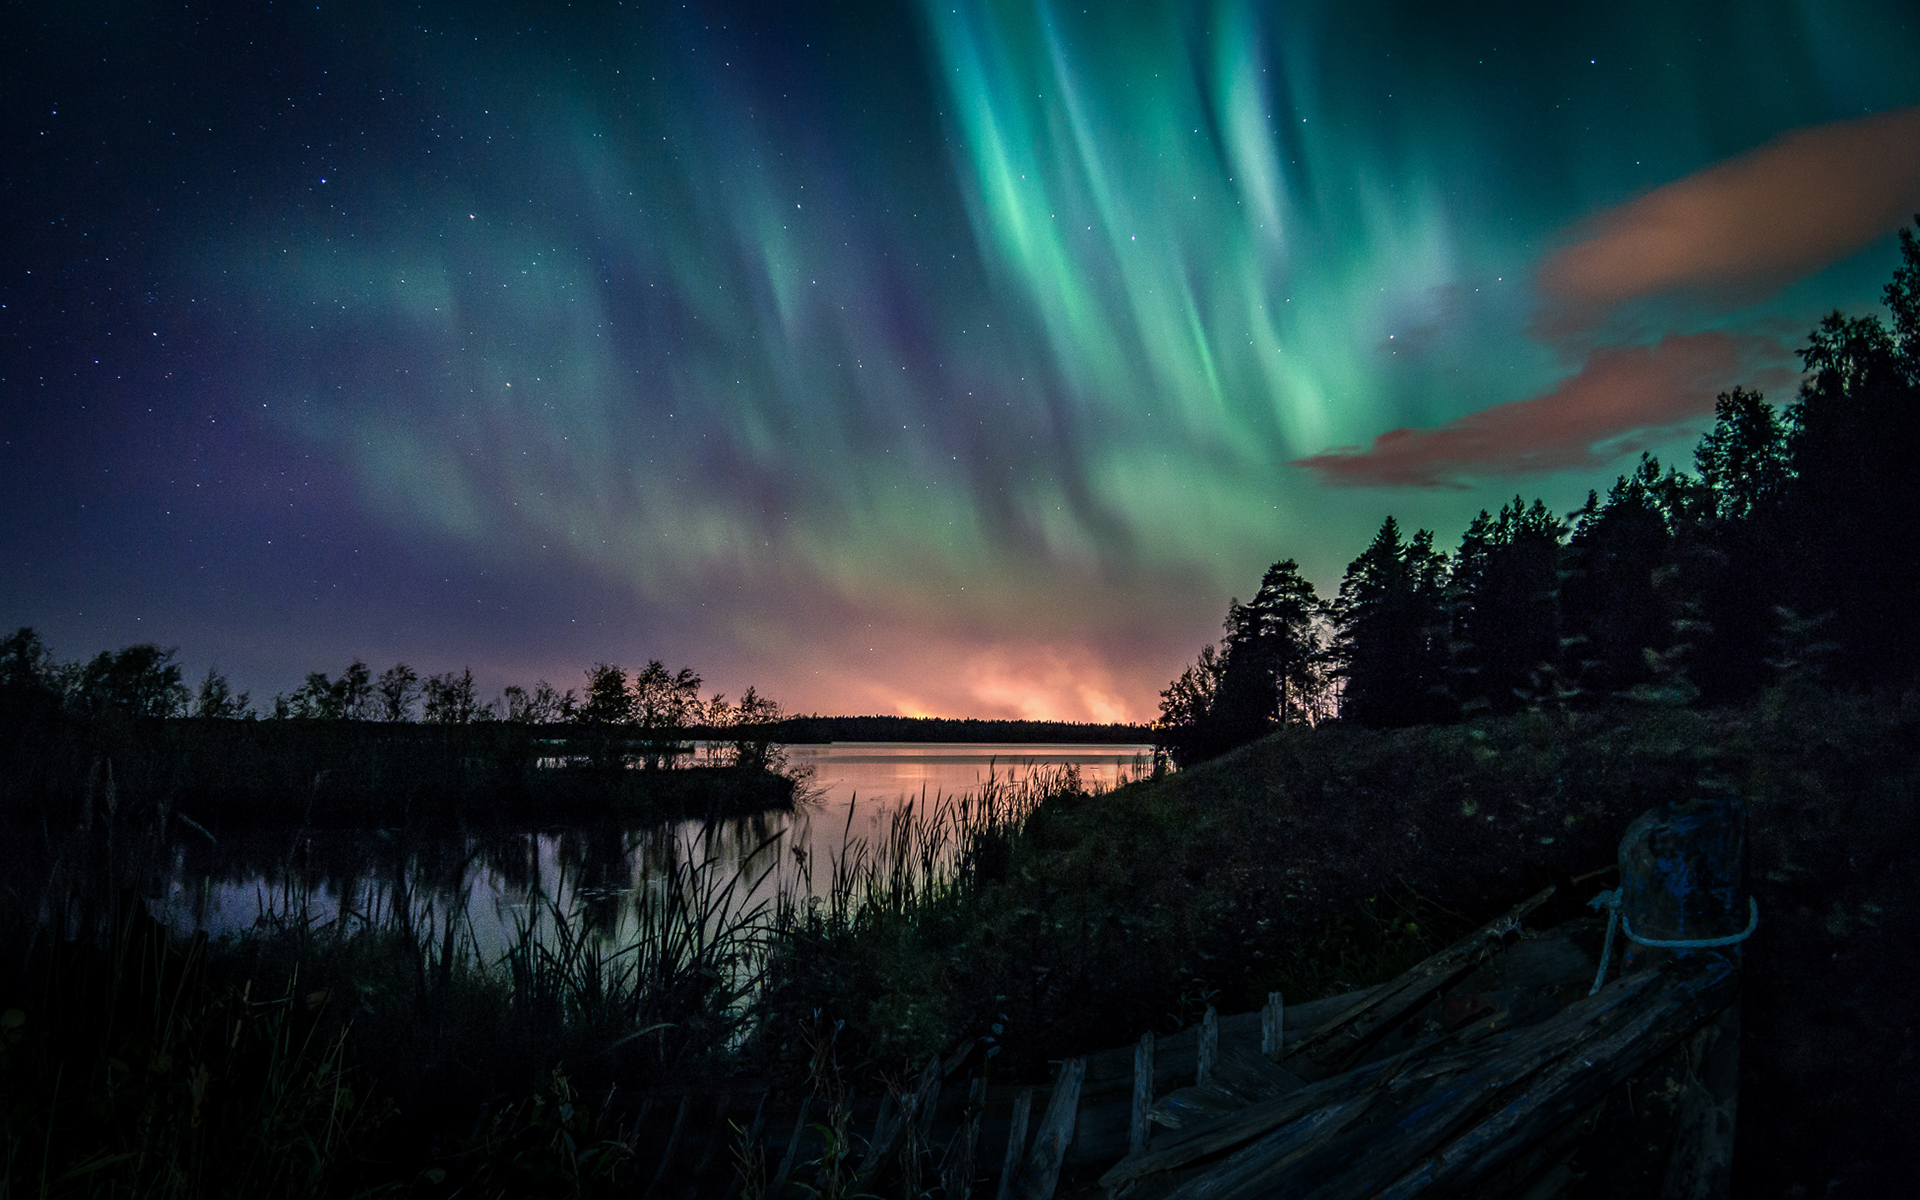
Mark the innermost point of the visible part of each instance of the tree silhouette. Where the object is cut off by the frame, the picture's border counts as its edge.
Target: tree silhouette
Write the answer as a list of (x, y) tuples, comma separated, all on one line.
[(217, 699), (1273, 654), (608, 702), (450, 699), (140, 680), (1853, 510), (1616, 617), (1186, 708), (394, 694), (1504, 596), (1729, 548), (1389, 644)]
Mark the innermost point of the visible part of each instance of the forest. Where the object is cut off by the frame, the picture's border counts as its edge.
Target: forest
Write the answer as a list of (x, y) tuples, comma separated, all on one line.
[(1790, 547)]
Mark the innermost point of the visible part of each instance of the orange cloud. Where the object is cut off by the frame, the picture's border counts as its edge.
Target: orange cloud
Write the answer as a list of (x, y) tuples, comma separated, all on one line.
[(1622, 399), (1792, 206)]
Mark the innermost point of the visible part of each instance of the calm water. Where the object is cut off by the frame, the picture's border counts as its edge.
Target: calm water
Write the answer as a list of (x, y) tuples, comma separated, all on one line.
[(854, 789)]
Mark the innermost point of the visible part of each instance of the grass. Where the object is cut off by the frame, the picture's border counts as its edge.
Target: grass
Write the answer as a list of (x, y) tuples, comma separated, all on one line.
[(1040, 919)]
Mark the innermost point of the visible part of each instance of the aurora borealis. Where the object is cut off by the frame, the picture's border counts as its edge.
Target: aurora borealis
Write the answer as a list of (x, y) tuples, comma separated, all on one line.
[(955, 358)]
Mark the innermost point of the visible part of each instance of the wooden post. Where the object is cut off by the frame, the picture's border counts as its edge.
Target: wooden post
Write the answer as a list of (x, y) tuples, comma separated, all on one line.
[(1209, 1046), (719, 1135), (1701, 1164), (1041, 1173), (793, 1148), (927, 1099), (1016, 1143), (673, 1143), (1272, 1033), (1142, 1124)]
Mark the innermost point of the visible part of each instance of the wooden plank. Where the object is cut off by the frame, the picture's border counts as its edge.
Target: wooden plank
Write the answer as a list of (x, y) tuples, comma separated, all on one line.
[(1240, 1077), (1016, 1144), (1639, 1027), (1139, 1127), (886, 1132), (1209, 1047), (1341, 1041), (1175, 1055), (1253, 1121), (1041, 1172), (718, 1136), (1272, 1027), (793, 1148), (1507, 1052), (926, 1099), (1277, 1151)]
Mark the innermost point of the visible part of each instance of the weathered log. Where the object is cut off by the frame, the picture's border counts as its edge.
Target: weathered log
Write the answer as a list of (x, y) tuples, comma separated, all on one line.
[(1102, 1134), (1621, 1039), (1506, 1052), (1343, 1040), (1701, 1163), (1040, 1173), (1176, 1055)]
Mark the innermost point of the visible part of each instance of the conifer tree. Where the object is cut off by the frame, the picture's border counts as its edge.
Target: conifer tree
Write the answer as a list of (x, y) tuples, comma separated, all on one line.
[(1729, 550), (1273, 655), (1617, 621), (1853, 507), (1504, 598), (1388, 647)]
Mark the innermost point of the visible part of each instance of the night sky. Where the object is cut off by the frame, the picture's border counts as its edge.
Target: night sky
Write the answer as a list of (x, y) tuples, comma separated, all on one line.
[(934, 359)]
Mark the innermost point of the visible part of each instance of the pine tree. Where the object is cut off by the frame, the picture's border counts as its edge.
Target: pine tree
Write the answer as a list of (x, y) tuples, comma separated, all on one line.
[(1186, 707), (1388, 646), (1504, 598), (1853, 507), (1618, 622), (1273, 655), (1729, 548)]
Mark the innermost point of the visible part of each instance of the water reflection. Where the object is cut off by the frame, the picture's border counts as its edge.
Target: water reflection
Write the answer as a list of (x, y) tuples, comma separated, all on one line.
[(501, 880)]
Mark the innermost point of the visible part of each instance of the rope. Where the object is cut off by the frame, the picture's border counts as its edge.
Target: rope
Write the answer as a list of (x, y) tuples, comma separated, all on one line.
[(1617, 919)]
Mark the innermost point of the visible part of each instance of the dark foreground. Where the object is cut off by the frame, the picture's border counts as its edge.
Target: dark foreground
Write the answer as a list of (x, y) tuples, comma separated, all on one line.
[(1311, 863)]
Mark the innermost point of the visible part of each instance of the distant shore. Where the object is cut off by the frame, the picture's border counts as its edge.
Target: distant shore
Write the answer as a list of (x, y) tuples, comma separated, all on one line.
[(816, 730)]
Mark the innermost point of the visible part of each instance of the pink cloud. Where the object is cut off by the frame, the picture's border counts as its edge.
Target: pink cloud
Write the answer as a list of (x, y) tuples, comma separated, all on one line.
[(1790, 207), (1621, 400)]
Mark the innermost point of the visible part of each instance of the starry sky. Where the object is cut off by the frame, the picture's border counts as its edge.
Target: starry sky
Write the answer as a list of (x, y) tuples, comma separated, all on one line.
[(942, 358)]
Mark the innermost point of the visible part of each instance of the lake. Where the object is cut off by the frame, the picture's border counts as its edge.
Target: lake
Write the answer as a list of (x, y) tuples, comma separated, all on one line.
[(500, 878)]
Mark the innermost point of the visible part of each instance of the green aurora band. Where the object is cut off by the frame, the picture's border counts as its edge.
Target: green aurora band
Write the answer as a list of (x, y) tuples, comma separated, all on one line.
[(964, 360)]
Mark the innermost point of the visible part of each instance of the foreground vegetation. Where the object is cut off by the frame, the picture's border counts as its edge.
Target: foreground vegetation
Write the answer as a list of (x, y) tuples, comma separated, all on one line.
[(383, 1050)]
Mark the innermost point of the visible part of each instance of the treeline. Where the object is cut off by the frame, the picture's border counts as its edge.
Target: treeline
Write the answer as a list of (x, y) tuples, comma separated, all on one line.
[(1793, 545), (145, 681), (361, 748)]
